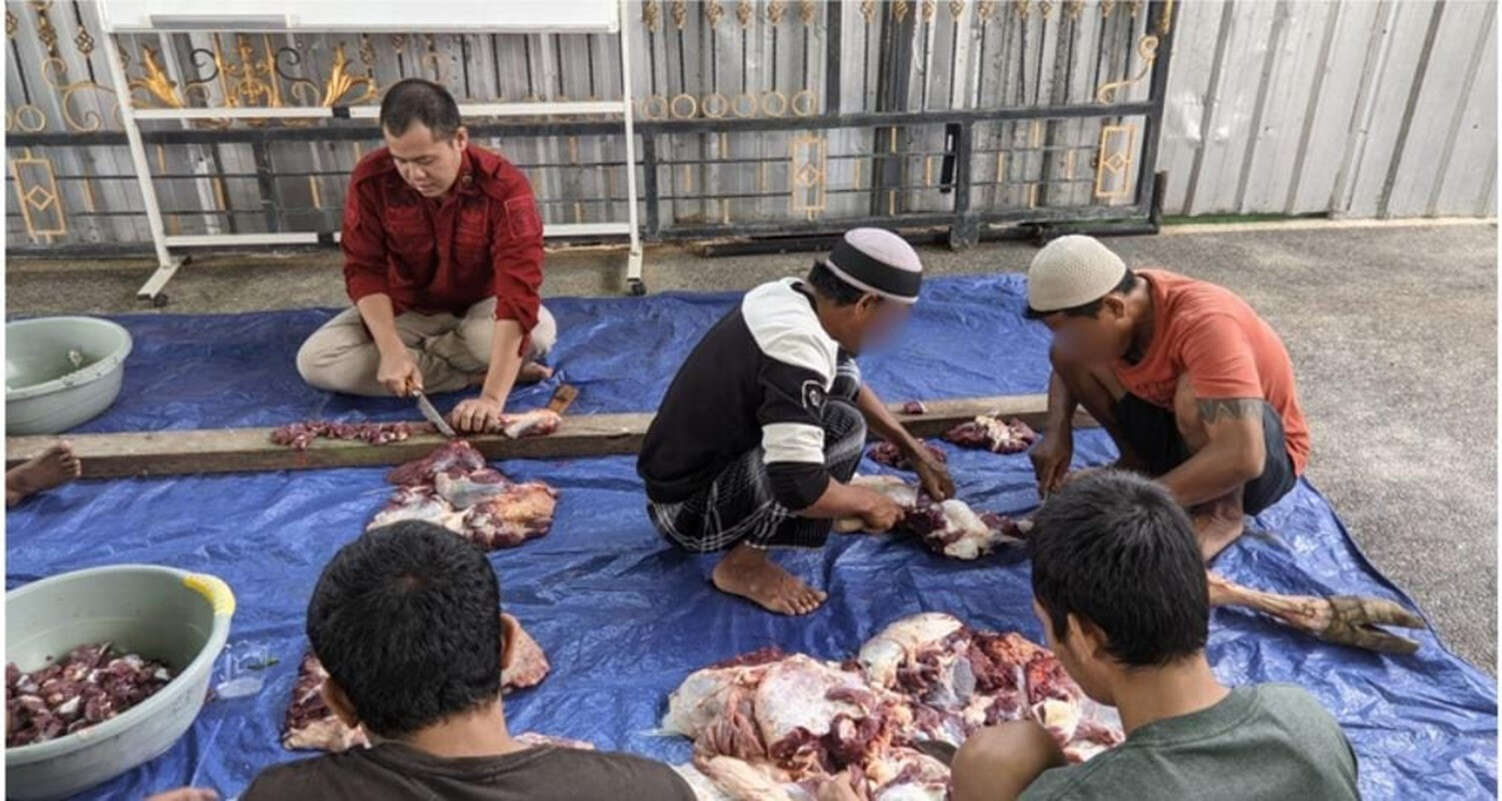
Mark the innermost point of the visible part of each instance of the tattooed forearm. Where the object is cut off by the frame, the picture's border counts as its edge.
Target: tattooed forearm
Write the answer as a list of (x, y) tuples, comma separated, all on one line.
[(1215, 408)]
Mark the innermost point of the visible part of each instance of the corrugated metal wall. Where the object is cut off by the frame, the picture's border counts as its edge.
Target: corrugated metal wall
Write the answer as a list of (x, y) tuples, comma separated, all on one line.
[(1363, 109), (1356, 108)]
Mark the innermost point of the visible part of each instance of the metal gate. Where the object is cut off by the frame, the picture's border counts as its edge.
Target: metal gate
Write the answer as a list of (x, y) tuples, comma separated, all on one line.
[(755, 119)]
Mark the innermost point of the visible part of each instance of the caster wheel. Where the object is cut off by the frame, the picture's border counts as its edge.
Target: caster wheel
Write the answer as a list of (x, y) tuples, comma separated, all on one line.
[(160, 301), (635, 287)]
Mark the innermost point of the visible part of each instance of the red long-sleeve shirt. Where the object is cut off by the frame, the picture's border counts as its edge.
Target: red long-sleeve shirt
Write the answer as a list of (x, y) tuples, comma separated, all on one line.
[(481, 239)]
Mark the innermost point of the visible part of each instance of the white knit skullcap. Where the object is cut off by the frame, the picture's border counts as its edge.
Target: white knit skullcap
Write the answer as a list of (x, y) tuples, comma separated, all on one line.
[(879, 261), (1072, 271)]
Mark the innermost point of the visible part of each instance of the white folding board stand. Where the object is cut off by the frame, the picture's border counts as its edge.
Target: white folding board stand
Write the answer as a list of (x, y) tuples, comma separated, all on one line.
[(284, 16)]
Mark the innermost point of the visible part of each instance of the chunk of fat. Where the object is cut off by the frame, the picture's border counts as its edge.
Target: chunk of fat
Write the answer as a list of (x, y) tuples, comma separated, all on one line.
[(883, 654), (1060, 717), (703, 695), (794, 694), (894, 487)]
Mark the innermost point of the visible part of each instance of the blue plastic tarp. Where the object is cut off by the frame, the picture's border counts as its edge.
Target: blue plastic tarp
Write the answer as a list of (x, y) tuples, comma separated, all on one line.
[(623, 617)]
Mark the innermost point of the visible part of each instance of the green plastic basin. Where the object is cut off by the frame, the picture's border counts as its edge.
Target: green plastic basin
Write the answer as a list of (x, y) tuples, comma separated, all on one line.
[(61, 372)]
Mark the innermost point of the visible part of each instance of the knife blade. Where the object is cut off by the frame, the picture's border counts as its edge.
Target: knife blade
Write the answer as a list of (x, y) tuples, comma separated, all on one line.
[(428, 411)]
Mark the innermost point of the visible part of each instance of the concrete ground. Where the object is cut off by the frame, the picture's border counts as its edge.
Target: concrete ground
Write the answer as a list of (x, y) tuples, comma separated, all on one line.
[(1393, 332)]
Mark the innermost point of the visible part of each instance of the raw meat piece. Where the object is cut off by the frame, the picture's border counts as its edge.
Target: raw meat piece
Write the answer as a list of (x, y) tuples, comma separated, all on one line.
[(771, 725), (890, 455), (455, 455), (92, 683), (299, 435), (991, 433), (453, 488), (519, 513), (311, 725), (536, 423), (950, 528), (914, 407)]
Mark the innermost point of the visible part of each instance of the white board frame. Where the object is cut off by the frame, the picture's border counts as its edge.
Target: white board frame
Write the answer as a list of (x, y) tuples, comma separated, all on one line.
[(168, 263)]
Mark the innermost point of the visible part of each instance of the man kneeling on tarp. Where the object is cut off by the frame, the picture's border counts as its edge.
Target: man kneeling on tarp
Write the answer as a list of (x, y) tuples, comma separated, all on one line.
[(766, 419), (1120, 590), (405, 621)]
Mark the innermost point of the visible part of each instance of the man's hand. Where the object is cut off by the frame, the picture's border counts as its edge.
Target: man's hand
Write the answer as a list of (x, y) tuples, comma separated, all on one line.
[(933, 475), (398, 373), (881, 512), (186, 794), (1051, 456), (478, 415)]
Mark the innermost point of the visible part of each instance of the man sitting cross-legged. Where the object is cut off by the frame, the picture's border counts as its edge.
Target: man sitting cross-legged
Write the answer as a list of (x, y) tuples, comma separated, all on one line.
[(405, 621), (764, 424), (1194, 387), (1120, 589)]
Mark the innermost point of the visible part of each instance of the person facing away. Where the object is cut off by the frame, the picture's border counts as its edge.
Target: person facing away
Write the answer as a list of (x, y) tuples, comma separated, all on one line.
[(1195, 389), (1120, 589), (763, 426), (443, 260), (406, 621)]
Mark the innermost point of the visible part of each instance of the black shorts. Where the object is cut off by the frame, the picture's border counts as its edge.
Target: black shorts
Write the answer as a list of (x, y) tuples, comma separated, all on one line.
[(1154, 434)]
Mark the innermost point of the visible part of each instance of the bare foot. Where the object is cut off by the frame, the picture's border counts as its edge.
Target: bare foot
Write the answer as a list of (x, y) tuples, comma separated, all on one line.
[(53, 467), (749, 573), (1218, 523), (532, 372)]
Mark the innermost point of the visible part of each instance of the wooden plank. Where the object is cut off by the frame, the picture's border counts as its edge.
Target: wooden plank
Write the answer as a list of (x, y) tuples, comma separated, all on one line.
[(155, 453)]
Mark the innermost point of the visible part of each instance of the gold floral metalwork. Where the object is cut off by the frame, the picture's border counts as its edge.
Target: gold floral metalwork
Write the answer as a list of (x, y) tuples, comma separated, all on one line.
[(899, 10), (1113, 161), (775, 10), (45, 32), (649, 14), (1165, 22), (743, 13), (806, 11), (868, 10), (713, 10), (927, 9), (55, 71), (38, 197), (1106, 7), (807, 171), (985, 9), (1134, 7), (956, 8), (1045, 8), (1147, 48), (10, 22), (1020, 8), (1074, 8), (341, 82), (680, 13)]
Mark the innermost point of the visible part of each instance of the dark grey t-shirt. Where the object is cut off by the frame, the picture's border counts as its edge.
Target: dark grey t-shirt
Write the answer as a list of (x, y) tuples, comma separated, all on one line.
[(1268, 742), (395, 772)]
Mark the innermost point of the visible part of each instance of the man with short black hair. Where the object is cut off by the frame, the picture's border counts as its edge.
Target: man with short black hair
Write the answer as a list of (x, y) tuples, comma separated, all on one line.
[(762, 428), (405, 620), (1193, 386), (1120, 589), (443, 259)]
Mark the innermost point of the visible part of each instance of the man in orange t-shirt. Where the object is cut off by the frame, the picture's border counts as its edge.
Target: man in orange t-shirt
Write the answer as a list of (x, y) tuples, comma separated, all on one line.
[(1195, 389)]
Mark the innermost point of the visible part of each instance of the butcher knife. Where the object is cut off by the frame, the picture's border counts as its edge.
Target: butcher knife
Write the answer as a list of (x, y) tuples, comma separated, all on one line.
[(426, 407)]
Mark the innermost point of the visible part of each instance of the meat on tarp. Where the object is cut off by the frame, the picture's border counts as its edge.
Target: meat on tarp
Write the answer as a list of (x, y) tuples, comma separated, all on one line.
[(990, 432), (454, 488), (771, 725)]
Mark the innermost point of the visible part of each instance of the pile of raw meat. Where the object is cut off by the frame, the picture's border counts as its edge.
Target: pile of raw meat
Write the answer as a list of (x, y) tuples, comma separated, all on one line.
[(454, 488), (299, 435), (770, 725), (310, 724), (93, 683), (949, 528), (991, 433)]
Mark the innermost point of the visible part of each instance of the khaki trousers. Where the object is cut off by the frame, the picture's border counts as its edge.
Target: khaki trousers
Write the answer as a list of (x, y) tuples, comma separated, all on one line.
[(450, 351)]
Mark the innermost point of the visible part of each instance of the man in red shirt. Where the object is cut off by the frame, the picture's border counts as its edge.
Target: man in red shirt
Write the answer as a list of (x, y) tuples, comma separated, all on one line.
[(443, 259), (1195, 389)]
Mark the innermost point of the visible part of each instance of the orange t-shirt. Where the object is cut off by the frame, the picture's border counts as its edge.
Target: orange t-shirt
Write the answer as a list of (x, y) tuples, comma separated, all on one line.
[(1227, 350)]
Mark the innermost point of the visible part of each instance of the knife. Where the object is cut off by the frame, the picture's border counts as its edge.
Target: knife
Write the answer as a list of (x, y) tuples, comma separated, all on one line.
[(426, 407)]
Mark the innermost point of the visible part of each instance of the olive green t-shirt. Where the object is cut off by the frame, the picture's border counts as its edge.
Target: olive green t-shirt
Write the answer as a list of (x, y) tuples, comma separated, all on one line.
[(1267, 742)]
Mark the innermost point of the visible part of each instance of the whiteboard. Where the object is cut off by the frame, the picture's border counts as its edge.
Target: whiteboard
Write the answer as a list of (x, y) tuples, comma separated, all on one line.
[(398, 16)]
